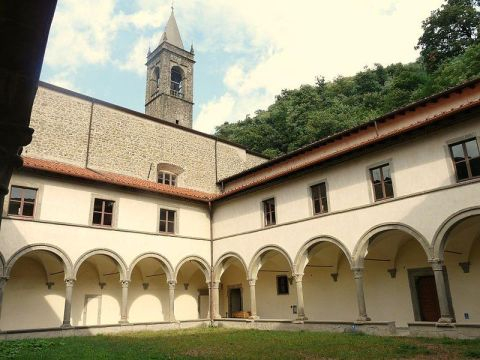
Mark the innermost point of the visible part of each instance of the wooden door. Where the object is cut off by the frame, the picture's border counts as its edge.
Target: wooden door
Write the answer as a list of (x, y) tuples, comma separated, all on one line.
[(427, 298), (235, 300)]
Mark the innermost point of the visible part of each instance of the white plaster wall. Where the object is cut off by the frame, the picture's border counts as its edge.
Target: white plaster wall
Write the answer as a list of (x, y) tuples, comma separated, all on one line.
[(187, 300), (234, 275), (27, 301), (418, 165)]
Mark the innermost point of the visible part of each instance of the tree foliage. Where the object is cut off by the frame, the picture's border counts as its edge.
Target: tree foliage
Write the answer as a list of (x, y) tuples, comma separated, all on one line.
[(449, 31), (304, 115)]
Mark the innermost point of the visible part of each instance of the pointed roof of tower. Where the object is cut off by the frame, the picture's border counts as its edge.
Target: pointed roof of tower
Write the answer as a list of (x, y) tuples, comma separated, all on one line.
[(171, 34)]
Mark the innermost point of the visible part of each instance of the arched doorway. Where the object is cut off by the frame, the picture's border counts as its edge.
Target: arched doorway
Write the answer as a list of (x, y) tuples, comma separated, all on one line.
[(34, 296), (399, 281), (192, 292), (328, 284), (275, 292), (150, 277), (99, 289), (231, 275), (458, 244)]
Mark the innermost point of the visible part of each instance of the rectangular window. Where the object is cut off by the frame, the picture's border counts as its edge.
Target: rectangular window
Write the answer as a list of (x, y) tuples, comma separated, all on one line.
[(167, 178), (269, 212), (22, 201), (103, 212), (466, 158), (382, 182), (167, 221), (319, 198), (282, 285)]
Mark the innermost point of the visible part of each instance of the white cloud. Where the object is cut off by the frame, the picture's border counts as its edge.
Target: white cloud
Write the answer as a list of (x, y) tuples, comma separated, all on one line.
[(277, 44)]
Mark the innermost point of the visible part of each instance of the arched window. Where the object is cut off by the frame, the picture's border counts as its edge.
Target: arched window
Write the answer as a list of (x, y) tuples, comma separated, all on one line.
[(156, 76), (167, 174), (176, 82)]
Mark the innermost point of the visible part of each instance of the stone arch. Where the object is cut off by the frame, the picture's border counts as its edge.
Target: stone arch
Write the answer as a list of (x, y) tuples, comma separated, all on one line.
[(222, 260), (164, 263), (441, 235), (200, 262), (362, 245), (111, 254), (301, 259), (256, 262), (59, 253)]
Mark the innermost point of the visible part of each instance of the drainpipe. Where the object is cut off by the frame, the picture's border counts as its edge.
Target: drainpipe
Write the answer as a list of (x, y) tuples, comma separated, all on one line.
[(210, 218)]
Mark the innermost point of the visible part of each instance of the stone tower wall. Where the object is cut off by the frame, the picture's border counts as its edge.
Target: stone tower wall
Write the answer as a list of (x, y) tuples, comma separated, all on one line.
[(122, 141), (158, 101)]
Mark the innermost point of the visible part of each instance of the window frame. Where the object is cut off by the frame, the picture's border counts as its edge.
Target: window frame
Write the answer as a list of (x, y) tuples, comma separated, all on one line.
[(175, 220), (287, 282), (463, 142), (264, 212), (380, 166), (173, 178), (22, 201), (113, 213), (312, 199), (180, 93)]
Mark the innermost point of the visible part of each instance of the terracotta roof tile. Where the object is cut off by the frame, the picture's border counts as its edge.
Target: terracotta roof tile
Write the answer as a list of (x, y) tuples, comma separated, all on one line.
[(112, 178)]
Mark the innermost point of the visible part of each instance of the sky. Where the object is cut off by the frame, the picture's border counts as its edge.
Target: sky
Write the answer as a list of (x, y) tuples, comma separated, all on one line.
[(246, 51)]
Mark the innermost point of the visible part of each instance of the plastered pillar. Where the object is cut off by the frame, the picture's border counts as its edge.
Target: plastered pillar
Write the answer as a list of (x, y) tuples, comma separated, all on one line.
[(67, 311), (362, 309)]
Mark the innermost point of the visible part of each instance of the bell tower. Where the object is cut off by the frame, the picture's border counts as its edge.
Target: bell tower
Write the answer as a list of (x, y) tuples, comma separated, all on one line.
[(169, 90)]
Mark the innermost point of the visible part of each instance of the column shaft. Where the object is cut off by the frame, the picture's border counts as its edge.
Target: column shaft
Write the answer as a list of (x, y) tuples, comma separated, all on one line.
[(3, 282), (445, 315), (215, 298), (67, 311), (362, 309), (253, 300), (171, 300), (124, 309), (300, 303)]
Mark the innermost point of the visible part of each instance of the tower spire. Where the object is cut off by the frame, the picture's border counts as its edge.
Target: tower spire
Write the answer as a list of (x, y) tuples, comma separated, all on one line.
[(171, 34)]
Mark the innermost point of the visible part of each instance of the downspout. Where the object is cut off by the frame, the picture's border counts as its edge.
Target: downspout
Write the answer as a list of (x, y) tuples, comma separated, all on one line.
[(210, 217)]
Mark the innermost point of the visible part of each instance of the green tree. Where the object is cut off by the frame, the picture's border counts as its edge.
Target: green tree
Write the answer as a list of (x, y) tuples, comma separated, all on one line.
[(449, 31)]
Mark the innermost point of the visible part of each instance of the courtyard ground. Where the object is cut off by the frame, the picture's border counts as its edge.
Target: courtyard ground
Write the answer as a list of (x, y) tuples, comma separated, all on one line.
[(210, 343)]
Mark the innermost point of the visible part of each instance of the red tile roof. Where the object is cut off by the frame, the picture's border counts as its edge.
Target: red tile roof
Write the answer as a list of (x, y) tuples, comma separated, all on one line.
[(111, 178)]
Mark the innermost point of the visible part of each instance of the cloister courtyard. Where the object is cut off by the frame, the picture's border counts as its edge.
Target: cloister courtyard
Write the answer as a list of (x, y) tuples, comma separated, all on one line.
[(218, 343)]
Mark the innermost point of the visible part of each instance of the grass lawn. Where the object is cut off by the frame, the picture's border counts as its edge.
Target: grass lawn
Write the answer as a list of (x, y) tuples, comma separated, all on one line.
[(210, 343)]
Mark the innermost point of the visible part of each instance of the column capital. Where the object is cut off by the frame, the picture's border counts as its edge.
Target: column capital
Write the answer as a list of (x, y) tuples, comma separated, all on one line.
[(357, 272), (252, 282), (69, 282), (214, 285), (171, 284), (298, 277), (3, 280), (125, 283), (436, 264)]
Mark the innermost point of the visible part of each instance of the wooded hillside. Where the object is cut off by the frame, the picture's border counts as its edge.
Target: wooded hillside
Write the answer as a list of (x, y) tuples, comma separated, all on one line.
[(450, 55)]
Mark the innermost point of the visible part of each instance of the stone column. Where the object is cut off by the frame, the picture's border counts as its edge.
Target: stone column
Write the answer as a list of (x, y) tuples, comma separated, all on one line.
[(445, 315), (300, 304), (123, 309), (362, 309), (215, 296), (171, 300), (3, 282), (253, 300), (67, 311)]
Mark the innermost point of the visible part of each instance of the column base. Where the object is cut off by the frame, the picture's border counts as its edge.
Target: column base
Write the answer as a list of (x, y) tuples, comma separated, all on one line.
[(445, 321), (66, 326), (301, 319), (254, 317), (123, 322), (362, 319)]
